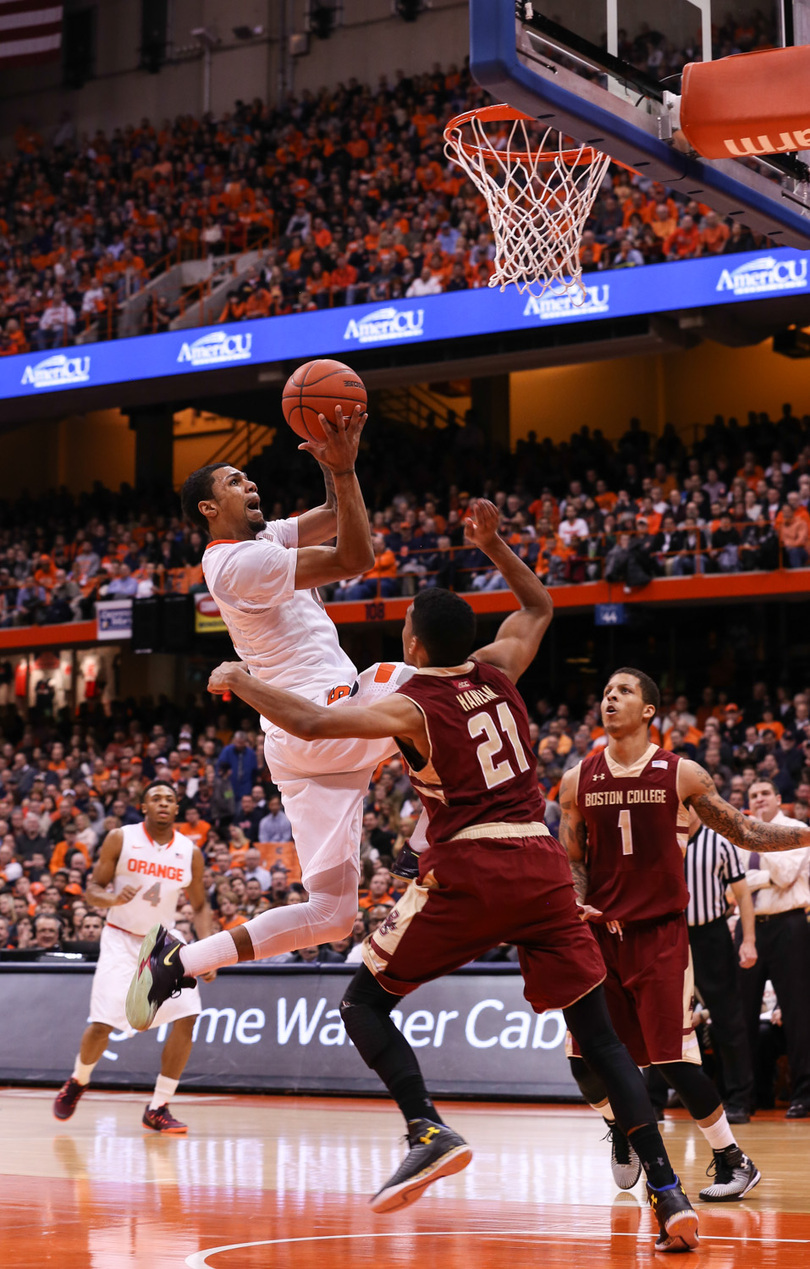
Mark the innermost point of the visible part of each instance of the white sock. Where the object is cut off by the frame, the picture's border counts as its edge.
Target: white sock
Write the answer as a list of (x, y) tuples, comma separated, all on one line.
[(164, 1089), (719, 1134), (211, 953), (82, 1070)]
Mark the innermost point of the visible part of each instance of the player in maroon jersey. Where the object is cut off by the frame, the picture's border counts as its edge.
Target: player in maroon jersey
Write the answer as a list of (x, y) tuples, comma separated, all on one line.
[(625, 824), (491, 872)]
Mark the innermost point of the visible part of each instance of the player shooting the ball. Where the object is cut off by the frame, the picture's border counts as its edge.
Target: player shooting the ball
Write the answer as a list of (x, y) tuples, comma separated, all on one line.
[(264, 578)]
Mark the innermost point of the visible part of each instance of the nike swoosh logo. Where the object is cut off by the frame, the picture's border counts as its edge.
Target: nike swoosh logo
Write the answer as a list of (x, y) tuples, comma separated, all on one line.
[(167, 960)]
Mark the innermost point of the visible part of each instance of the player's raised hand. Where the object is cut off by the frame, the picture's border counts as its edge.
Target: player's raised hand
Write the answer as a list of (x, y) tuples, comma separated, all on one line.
[(341, 440), (221, 679), (481, 523)]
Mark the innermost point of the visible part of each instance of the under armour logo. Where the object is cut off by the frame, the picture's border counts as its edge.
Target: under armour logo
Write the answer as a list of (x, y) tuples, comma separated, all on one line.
[(431, 1132), (598, 777)]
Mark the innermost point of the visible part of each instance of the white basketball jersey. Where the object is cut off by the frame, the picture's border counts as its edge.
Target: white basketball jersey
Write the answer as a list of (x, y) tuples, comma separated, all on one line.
[(283, 634), (160, 871)]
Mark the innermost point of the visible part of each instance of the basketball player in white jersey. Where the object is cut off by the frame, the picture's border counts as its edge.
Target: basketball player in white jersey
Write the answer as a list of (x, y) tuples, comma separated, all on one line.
[(147, 865), (264, 579)]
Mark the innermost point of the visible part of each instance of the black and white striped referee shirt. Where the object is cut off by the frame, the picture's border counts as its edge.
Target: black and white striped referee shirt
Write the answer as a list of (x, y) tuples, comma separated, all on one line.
[(711, 864)]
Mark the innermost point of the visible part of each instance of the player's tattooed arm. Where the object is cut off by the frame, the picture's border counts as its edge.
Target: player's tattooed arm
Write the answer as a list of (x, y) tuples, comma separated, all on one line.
[(320, 524), (573, 833), (698, 790)]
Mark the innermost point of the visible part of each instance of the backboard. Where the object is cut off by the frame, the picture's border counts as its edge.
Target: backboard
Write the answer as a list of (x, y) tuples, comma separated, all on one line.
[(600, 71)]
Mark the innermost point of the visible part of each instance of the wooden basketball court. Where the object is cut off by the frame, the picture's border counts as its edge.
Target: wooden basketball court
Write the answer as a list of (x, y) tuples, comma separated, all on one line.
[(282, 1182)]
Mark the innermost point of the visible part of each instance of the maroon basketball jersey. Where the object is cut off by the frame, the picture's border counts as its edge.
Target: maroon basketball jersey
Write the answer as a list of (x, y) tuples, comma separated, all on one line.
[(637, 826), (481, 768)]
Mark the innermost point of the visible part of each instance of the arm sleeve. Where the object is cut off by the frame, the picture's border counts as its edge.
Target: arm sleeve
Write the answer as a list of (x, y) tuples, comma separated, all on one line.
[(259, 574)]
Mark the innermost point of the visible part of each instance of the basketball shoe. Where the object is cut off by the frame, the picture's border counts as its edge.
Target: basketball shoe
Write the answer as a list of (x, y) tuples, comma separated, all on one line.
[(734, 1175), (162, 1120), (159, 976), (434, 1151), (624, 1162), (677, 1219), (67, 1099)]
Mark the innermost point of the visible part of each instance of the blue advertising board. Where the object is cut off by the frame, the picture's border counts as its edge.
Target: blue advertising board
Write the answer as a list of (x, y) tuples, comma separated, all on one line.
[(657, 288), (610, 615)]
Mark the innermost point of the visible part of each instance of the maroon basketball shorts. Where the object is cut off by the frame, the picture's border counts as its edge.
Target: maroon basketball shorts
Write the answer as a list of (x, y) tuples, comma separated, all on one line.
[(475, 894), (649, 989)]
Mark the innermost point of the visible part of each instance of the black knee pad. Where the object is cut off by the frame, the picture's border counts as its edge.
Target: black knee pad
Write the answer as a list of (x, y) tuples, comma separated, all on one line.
[(590, 1085)]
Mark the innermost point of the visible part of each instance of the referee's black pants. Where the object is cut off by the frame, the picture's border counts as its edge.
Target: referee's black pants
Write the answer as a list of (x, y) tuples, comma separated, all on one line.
[(717, 979), (783, 951)]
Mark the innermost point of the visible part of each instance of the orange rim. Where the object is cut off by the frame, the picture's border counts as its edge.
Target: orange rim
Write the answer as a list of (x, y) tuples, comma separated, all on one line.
[(508, 114)]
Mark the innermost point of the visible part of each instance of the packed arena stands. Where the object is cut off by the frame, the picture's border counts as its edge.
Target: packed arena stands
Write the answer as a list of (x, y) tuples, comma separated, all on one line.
[(345, 196), (737, 500)]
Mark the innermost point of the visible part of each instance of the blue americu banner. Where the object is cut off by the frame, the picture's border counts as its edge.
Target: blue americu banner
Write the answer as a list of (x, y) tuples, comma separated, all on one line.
[(339, 332)]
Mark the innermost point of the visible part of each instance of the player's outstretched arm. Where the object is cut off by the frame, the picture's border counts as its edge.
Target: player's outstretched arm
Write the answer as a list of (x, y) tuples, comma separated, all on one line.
[(395, 715), (519, 637), (352, 552), (698, 790), (572, 832)]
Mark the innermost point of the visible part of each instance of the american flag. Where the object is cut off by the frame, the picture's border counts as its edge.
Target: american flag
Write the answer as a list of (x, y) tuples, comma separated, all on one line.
[(30, 32)]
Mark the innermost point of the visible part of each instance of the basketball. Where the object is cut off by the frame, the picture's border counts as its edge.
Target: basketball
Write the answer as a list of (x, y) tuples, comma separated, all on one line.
[(316, 388)]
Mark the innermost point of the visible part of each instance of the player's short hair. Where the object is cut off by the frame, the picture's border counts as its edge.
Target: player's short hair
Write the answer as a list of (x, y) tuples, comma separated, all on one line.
[(764, 780), (444, 624), (158, 784), (649, 690), (197, 487)]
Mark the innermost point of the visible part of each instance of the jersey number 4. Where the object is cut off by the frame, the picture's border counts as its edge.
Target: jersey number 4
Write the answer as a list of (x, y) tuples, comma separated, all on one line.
[(483, 724), (152, 895)]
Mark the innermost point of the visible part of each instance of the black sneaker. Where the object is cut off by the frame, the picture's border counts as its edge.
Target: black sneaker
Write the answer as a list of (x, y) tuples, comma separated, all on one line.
[(159, 976), (734, 1175), (677, 1219), (67, 1099), (434, 1151), (624, 1162), (162, 1120)]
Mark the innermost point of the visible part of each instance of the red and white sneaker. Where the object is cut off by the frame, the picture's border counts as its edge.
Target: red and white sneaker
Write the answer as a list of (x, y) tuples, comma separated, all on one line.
[(67, 1099), (162, 1120)]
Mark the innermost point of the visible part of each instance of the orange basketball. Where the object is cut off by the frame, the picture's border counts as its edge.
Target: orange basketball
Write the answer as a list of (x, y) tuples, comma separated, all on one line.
[(316, 388)]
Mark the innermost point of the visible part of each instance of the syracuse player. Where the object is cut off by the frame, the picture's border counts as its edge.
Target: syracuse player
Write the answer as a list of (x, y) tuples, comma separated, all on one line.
[(147, 865)]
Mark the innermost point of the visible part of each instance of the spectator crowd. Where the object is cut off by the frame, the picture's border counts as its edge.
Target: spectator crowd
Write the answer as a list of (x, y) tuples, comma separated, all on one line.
[(643, 507), (346, 193)]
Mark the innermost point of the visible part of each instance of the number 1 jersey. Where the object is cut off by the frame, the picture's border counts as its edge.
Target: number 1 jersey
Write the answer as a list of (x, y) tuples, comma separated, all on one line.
[(481, 770), (160, 871), (637, 834)]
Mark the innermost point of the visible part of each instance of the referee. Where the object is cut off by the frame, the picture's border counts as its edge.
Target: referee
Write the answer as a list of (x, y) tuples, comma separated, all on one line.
[(712, 865)]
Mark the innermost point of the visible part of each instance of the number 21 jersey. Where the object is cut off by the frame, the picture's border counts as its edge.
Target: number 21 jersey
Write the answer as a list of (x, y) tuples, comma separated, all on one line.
[(637, 833), (481, 769), (160, 871)]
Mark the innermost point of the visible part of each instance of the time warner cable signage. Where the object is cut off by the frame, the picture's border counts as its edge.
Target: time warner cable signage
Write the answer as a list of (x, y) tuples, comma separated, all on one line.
[(656, 288), (276, 1029)]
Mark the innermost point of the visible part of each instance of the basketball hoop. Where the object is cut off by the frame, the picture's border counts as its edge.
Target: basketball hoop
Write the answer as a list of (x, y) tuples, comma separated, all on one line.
[(538, 193)]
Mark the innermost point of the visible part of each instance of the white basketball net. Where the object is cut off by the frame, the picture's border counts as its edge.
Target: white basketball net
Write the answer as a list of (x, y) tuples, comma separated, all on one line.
[(538, 192)]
